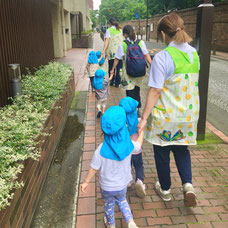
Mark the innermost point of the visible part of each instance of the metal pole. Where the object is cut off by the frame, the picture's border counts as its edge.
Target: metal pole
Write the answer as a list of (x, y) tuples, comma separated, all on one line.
[(204, 27), (139, 26), (147, 20)]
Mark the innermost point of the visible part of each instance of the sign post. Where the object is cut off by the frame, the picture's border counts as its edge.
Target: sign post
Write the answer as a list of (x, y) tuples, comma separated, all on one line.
[(204, 27)]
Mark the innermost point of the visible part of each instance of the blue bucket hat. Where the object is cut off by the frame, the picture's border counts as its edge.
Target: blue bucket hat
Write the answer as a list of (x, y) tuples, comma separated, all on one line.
[(117, 143), (98, 56), (92, 58), (130, 106), (98, 79)]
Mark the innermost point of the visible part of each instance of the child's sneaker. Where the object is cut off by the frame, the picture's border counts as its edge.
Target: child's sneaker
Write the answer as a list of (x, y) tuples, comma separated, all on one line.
[(189, 195), (99, 114), (106, 223), (165, 195), (140, 188), (132, 225)]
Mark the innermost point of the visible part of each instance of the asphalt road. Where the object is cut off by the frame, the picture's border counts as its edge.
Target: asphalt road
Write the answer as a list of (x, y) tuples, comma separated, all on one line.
[(217, 107)]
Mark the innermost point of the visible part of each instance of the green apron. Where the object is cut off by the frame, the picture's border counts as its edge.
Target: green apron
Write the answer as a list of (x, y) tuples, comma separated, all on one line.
[(115, 40), (174, 119)]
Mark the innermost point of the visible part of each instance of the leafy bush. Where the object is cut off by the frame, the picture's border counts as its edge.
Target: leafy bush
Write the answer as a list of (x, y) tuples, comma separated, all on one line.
[(22, 122), (87, 32)]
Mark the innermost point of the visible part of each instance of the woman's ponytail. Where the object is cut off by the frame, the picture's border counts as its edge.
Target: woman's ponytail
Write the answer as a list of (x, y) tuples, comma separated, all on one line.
[(113, 21), (173, 25)]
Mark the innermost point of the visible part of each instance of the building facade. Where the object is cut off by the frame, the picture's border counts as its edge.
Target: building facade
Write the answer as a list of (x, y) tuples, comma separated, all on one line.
[(69, 19)]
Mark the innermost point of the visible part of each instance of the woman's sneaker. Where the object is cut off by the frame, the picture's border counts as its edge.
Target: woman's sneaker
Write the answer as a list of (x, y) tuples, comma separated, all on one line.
[(165, 195), (132, 225), (189, 195), (140, 188)]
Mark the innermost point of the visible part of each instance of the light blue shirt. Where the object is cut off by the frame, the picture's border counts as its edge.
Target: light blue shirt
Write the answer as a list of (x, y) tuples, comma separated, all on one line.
[(163, 67), (113, 175)]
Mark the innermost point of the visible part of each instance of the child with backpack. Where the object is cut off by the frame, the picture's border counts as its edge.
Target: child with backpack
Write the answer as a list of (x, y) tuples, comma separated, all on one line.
[(130, 107), (101, 86), (92, 66), (134, 53), (112, 160)]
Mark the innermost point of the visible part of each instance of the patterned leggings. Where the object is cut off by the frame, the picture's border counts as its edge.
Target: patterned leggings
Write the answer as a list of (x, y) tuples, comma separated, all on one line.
[(118, 197)]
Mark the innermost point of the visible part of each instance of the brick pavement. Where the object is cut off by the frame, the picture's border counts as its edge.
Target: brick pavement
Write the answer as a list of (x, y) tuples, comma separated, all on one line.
[(210, 171)]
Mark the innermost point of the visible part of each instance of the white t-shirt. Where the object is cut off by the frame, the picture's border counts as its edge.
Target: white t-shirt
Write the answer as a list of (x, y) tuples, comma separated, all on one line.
[(92, 69), (113, 175), (107, 34), (120, 51), (163, 67)]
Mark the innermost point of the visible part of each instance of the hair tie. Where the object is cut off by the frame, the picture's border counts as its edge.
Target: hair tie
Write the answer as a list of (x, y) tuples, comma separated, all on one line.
[(178, 29)]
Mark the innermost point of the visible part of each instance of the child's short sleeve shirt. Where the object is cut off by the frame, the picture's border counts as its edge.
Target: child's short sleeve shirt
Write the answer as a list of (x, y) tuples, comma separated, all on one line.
[(113, 175)]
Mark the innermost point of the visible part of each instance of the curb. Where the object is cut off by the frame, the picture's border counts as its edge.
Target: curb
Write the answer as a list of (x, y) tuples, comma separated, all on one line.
[(221, 135), (86, 207)]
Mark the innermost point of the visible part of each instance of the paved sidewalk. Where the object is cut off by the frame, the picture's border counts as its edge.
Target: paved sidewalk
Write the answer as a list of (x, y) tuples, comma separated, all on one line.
[(210, 171), (77, 57)]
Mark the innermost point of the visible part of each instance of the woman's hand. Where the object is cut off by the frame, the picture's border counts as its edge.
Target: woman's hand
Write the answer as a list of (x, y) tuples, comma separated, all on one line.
[(141, 125), (112, 72), (84, 187)]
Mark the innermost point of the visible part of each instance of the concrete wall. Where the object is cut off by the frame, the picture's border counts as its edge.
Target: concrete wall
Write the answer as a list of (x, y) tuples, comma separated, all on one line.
[(220, 27), (57, 27), (61, 22)]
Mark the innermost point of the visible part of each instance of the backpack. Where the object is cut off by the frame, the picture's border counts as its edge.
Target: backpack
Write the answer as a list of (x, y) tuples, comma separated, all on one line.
[(135, 61)]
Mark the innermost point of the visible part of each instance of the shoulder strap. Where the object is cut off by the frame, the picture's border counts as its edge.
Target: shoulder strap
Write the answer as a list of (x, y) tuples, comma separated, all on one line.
[(137, 42), (182, 62), (127, 42)]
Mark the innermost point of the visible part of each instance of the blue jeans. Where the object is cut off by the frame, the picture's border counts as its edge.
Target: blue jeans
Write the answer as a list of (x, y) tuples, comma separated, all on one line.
[(183, 163), (137, 161), (116, 77), (116, 197)]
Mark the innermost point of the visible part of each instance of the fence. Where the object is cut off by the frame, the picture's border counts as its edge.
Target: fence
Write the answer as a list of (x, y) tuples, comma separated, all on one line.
[(25, 38)]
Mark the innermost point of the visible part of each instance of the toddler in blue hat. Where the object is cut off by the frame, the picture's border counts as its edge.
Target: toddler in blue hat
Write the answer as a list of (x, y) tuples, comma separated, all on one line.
[(130, 106), (92, 66), (101, 86), (112, 160)]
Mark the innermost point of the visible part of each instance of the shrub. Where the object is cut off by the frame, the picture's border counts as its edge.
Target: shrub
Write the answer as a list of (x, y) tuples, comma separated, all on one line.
[(87, 32), (22, 123)]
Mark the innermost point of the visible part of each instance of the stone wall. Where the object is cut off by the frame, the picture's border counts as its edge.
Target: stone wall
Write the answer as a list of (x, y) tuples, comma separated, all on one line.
[(220, 27), (86, 41), (23, 205)]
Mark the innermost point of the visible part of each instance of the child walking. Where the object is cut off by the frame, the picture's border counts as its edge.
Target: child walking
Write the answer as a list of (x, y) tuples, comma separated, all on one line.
[(112, 160), (101, 85), (92, 66), (130, 107)]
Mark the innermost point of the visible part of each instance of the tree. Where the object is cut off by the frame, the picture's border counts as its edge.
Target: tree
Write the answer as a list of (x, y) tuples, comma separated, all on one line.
[(94, 14), (122, 9), (163, 6)]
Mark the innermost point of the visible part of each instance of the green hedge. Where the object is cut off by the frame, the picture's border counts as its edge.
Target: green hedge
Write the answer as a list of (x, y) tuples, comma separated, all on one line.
[(21, 123), (87, 32)]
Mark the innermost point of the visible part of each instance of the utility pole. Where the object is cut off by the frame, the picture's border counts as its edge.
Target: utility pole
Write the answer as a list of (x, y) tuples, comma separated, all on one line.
[(147, 27), (204, 26)]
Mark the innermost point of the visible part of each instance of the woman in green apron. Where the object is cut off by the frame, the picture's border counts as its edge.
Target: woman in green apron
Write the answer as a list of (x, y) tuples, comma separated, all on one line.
[(113, 38), (171, 112)]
